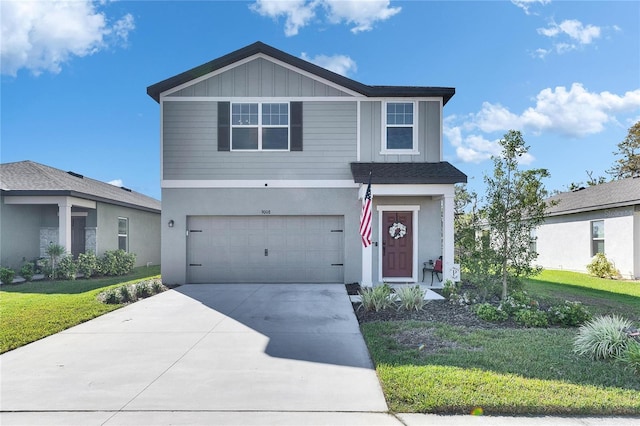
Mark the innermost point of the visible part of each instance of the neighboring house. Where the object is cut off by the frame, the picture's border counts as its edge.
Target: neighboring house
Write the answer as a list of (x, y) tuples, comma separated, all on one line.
[(599, 219), (41, 205), (265, 161)]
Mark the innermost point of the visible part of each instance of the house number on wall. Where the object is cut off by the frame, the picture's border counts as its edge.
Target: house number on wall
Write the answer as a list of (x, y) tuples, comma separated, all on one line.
[(266, 211)]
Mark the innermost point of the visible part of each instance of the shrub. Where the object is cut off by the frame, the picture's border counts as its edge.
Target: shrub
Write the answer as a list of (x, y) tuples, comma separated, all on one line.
[(631, 357), (66, 268), (488, 312), (142, 290), (117, 262), (531, 318), (569, 314), (376, 298), (602, 267), (450, 288), (518, 301), (125, 295), (603, 337), (7, 275), (88, 264), (411, 298), (28, 270), (157, 286), (110, 297)]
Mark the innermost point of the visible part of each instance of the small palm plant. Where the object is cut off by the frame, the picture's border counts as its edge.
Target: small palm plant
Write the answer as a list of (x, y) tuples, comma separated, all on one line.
[(55, 251)]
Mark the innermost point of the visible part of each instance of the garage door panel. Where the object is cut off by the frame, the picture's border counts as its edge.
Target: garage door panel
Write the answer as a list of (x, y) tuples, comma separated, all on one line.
[(232, 249)]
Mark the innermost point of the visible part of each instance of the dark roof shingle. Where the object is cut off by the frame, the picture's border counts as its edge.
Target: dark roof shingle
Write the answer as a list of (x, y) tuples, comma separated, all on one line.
[(258, 47), (618, 193), (407, 173), (31, 178)]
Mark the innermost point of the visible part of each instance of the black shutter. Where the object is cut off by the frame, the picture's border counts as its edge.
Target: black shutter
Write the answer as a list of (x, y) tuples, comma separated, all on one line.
[(224, 124), (296, 126)]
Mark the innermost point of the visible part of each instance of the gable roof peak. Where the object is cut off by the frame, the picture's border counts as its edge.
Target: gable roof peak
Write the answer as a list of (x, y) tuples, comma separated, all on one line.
[(259, 47)]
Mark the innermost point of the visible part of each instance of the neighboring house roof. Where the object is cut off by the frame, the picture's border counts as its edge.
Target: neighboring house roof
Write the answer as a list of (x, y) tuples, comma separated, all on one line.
[(31, 178), (258, 47), (407, 173), (618, 193)]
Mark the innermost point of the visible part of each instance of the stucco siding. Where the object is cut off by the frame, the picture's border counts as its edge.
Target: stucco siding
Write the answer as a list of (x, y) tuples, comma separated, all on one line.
[(178, 204), (19, 234), (144, 232), (259, 78), (564, 242), (190, 145)]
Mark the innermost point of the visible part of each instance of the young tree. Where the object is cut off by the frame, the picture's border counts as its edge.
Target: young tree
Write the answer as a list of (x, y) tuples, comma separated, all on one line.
[(515, 205), (629, 150)]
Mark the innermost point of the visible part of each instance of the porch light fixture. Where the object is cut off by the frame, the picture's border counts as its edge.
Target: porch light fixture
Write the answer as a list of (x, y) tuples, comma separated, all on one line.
[(171, 223)]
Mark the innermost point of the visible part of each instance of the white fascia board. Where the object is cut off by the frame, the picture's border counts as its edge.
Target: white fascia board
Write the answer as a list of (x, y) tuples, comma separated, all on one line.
[(252, 58), (390, 190), (50, 199), (259, 184)]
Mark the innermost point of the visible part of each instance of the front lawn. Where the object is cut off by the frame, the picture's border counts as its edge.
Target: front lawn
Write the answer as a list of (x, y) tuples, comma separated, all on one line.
[(435, 367), (31, 311)]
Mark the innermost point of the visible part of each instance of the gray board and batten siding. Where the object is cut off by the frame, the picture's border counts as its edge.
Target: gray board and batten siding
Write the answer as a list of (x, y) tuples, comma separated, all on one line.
[(190, 145), (259, 78)]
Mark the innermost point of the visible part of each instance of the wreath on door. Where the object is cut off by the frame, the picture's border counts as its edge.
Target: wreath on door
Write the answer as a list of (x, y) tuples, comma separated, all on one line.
[(397, 230)]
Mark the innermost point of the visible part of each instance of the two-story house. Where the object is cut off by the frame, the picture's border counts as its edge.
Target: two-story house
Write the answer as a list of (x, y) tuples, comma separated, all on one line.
[(265, 163)]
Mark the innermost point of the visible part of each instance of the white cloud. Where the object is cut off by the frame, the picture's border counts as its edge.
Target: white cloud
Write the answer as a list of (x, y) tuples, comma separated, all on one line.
[(43, 35), (297, 13), (340, 64), (526, 4), (362, 14), (574, 34), (572, 113), (116, 182)]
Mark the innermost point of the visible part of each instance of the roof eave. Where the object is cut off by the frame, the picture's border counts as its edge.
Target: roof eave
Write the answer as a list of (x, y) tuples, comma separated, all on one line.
[(68, 193)]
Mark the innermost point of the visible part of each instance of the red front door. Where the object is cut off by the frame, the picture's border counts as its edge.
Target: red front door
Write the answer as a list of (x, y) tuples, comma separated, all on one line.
[(397, 249)]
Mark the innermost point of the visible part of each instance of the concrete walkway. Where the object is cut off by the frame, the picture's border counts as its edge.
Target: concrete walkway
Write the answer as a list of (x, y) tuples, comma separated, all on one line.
[(214, 354)]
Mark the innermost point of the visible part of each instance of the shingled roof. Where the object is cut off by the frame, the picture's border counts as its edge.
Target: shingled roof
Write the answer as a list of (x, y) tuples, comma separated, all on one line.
[(407, 173), (31, 178), (618, 193), (260, 48)]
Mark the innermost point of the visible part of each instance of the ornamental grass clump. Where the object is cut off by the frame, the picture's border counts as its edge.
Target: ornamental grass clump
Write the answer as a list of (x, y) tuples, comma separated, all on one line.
[(410, 298), (377, 298), (603, 337)]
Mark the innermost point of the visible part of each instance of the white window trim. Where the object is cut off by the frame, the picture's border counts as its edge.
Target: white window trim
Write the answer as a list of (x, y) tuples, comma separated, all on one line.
[(592, 239), (414, 218), (123, 235), (384, 150), (261, 126)]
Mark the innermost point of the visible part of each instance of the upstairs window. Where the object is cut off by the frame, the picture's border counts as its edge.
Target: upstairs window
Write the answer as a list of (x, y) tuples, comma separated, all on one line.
[(399, 126), (123, 233), (597, 237), (260, 126)]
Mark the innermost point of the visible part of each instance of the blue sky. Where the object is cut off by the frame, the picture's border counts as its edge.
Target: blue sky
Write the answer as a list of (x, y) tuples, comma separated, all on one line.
[(565, 73)]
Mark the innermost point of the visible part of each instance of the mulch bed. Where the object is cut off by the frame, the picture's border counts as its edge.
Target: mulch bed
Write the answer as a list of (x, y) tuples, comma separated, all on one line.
[(433, 311)]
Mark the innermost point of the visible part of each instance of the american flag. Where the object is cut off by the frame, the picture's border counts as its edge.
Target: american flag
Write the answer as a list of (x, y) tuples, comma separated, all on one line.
[(365, 217)]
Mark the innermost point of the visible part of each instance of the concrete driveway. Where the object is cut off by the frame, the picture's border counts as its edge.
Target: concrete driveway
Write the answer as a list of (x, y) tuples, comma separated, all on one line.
[(202, 354)]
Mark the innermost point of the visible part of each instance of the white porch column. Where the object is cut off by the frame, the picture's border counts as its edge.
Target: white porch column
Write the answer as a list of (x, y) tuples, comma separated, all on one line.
[(448, 243), (367, 256), (64, 225)]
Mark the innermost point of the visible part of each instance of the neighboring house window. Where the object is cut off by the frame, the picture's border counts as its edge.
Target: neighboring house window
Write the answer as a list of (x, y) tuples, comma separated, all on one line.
[(597, 237), (123, 233), (399, 124), (533, 240), (260, 126)]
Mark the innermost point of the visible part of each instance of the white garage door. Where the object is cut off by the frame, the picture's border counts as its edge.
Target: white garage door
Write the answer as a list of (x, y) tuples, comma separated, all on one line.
[(265, 249)]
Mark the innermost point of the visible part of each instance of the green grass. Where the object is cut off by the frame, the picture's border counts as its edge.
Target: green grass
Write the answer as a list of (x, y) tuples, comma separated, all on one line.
[(509, 371), (31, 311), (601, 296)]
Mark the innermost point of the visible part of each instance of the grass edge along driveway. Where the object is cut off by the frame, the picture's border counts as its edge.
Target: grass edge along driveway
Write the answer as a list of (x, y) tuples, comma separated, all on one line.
[(505, 371), (32, 311)]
